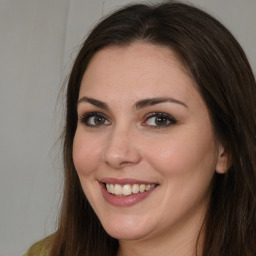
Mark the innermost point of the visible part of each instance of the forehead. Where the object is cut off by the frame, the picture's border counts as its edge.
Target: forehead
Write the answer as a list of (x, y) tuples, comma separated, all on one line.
[(135, 56), (136, 69)]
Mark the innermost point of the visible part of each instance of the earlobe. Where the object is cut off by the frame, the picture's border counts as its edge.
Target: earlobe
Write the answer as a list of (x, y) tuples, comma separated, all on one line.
[(222, 164)]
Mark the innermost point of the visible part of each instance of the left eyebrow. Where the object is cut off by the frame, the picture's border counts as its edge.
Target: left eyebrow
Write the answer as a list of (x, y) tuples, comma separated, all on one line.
[(154, 101), (97, 103)]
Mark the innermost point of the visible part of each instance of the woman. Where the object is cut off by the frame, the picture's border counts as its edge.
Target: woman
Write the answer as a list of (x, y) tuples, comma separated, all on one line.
[(159, 143)]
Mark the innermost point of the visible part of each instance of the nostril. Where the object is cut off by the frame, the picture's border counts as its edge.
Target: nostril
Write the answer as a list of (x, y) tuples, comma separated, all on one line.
[(118, 159)]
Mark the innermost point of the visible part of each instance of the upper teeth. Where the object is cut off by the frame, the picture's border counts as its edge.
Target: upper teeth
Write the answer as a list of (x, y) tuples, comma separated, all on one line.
[(127, 189)]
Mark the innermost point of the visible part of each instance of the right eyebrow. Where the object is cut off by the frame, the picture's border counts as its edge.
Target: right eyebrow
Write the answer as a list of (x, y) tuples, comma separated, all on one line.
[(154, 101), (94, 102)]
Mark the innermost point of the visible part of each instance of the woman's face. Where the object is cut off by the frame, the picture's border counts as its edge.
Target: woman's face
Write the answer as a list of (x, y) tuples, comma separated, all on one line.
[(144, 133)]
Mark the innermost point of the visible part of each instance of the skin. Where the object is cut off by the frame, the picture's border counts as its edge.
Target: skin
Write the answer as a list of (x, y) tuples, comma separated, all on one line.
[(181, 157)]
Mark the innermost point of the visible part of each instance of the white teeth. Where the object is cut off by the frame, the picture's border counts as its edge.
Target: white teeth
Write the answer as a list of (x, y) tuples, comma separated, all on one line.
[(142, 188), (135, 189), (128, 189), (112, 189), (118, 190)]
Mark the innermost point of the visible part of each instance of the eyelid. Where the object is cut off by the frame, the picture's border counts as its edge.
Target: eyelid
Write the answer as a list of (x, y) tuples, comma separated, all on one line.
[(169, 117), (152, 114), (85, 116)]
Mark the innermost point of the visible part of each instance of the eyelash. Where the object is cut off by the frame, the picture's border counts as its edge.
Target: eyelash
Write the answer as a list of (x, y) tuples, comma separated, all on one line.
[(171, 120), (85, 118)]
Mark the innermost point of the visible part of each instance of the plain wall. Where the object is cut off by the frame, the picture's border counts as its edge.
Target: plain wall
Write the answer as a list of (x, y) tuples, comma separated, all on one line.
[(39, 40)]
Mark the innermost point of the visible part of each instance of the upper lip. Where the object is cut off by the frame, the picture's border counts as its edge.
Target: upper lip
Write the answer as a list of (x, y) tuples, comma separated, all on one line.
[(125, 181)]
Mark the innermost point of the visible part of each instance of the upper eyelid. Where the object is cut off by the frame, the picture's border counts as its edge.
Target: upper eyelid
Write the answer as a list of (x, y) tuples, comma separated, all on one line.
[(153, 114), (107, 116), (150, 114), (92, 113), (86, 116)]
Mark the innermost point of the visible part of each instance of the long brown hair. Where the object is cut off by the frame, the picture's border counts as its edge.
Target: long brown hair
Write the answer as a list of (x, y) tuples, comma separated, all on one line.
[(225, 80)]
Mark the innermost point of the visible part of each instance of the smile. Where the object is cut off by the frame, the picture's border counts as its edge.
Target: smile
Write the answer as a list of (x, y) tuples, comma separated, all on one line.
[(127, 189), (126, 192)]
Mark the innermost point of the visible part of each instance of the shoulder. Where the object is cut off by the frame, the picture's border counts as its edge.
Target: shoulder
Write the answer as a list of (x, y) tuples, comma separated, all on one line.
[(40, 248)]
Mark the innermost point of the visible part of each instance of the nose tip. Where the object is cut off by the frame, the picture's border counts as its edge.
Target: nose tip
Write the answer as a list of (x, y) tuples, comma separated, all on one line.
[(121, 151)]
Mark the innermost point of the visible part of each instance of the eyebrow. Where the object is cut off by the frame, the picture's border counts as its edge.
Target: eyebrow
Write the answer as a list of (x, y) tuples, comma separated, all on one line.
[(97, 103), (138, 105), (154, 101)]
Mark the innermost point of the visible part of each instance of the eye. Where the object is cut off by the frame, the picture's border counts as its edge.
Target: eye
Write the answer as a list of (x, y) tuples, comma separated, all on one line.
[(159, 120), (94, 119)]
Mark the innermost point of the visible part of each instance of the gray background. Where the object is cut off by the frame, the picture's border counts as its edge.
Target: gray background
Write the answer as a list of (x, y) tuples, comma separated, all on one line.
[(39, 39)]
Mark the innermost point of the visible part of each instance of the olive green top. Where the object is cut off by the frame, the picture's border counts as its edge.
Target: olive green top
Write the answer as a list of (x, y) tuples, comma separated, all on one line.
[(38, 249)]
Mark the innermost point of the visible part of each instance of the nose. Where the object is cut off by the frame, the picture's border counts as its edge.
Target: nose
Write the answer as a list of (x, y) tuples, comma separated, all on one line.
[(121, 149)]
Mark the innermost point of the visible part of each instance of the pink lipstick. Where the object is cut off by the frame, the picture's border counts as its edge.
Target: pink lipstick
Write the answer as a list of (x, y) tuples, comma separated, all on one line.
[(125, 192)]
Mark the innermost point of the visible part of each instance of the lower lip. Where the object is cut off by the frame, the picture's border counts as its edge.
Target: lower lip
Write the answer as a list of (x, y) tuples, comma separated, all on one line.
[(124, 201)]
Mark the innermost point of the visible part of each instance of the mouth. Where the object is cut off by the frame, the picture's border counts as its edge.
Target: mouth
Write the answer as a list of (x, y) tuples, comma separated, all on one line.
[(126, 192), (128, 189)]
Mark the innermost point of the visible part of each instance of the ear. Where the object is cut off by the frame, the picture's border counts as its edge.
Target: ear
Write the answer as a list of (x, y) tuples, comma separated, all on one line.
[(222, 163)]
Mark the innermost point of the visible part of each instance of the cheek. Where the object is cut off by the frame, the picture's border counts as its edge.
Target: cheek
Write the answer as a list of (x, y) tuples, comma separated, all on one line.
[(186, 164), (184, 153), (86, 154)]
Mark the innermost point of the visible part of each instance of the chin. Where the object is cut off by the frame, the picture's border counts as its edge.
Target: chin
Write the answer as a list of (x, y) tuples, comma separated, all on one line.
[(126, 230), (126, 234)]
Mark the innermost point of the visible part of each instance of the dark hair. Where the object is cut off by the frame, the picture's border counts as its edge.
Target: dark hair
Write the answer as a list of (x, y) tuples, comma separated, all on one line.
[(225, 80)]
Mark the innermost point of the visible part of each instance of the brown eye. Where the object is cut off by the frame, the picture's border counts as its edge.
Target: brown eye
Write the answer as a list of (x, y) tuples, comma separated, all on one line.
[(159, 120), (97, 120), (94, 119)]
